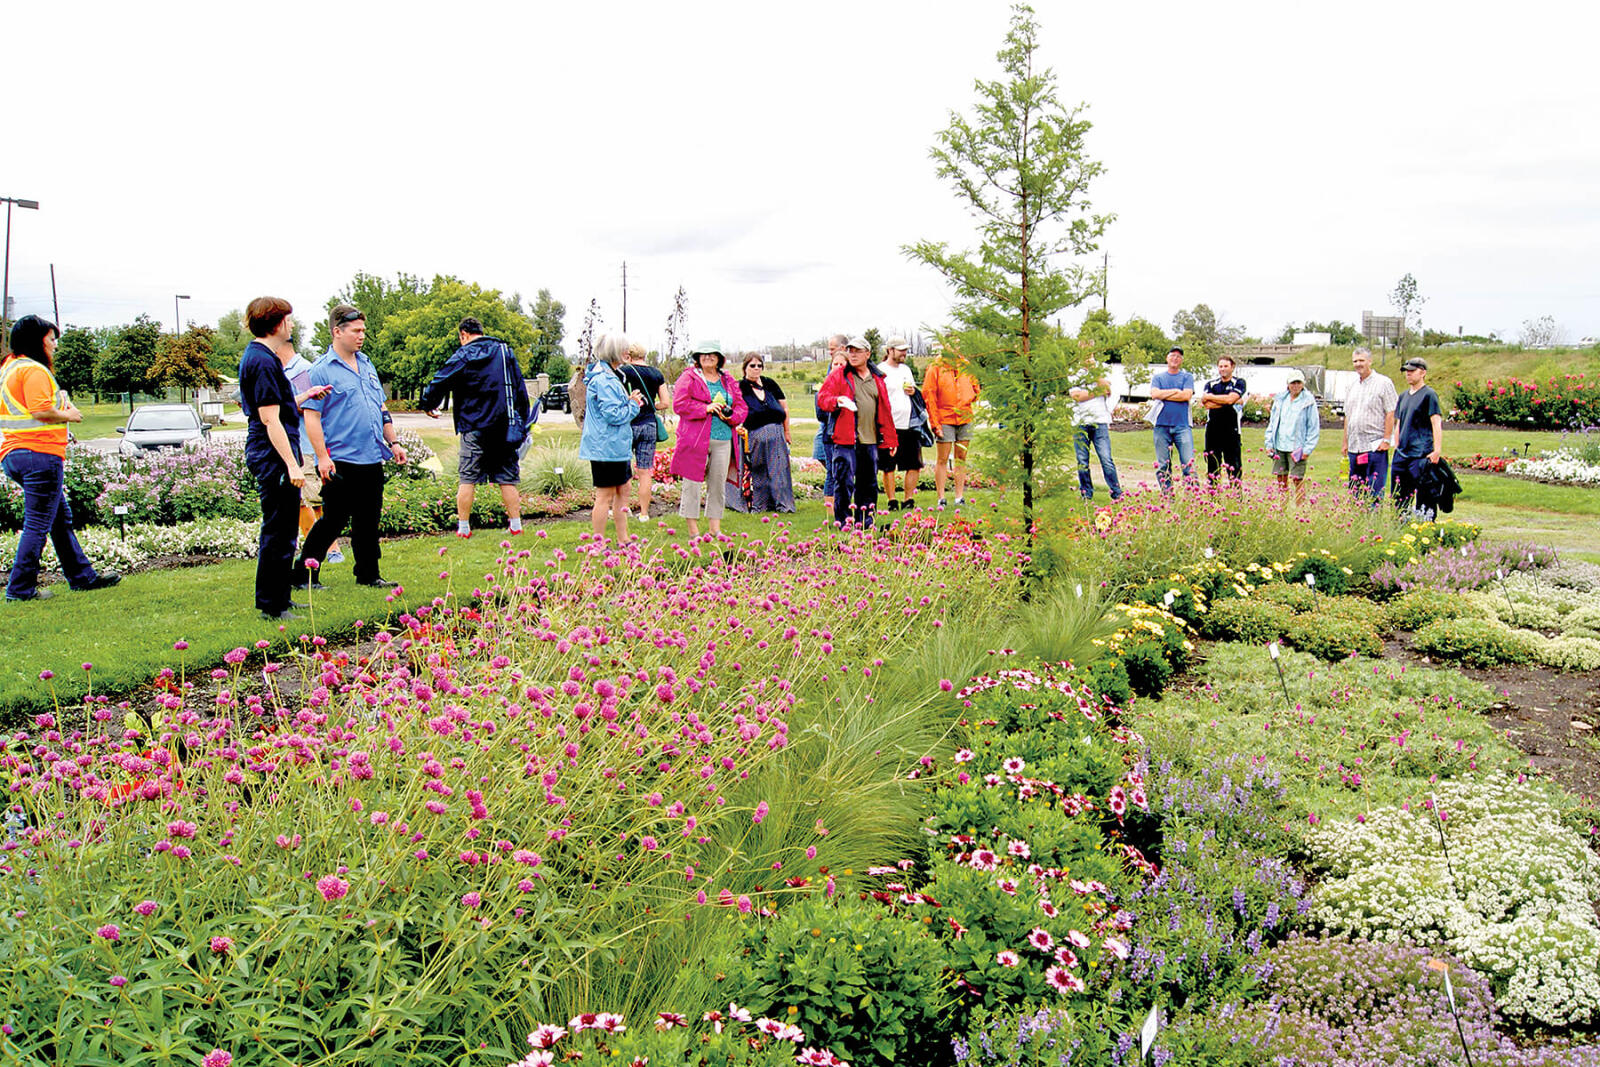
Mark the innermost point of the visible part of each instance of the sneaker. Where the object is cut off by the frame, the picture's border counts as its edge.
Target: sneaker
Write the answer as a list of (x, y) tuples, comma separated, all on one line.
[(960, 501), (513, 533), (334, 556), (37, 594), (941, 503), (645, 517), (279, 616), (379, 583), (463, 534)]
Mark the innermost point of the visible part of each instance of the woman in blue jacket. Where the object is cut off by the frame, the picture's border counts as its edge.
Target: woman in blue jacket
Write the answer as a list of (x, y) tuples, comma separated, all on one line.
[(607, 441), (1292, 434)]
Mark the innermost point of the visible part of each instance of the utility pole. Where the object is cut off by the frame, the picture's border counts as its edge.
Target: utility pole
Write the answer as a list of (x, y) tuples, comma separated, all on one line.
[(5, 290), (1105, 281), (624, 296), (54, 302)]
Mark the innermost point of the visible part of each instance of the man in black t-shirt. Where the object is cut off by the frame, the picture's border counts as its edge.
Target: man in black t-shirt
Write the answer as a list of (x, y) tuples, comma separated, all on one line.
[(637, 374), (1224, 403), (1419, 439)]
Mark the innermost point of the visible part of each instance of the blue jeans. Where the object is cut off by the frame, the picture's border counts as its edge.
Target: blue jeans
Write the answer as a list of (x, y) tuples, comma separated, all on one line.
[(1367, 479), (45, 513), (1166, 437), (855, 484), (1099, 434)]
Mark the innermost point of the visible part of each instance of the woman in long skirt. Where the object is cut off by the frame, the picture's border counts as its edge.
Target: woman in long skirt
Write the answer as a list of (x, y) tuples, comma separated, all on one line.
[(767, 484)]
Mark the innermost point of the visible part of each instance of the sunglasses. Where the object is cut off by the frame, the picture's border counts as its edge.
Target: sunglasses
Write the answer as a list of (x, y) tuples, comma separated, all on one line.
[(349, 317)]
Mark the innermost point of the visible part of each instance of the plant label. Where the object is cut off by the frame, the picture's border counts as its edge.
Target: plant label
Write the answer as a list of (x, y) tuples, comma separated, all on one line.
[(1079, 588), (1209, 552), (1311, 581), (1450, 992), (560, 470), (1500, 574), (119, 509), (1272, 650), (1147, 1032), (1169, 598)]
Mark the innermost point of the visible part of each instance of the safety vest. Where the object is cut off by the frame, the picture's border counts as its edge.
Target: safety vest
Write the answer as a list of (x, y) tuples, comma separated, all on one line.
[(20, 427)]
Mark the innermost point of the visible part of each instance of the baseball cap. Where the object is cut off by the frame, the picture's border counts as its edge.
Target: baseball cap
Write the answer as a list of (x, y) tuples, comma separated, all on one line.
[(1297, 376), (858, 342), (1414, 363), (897, 342)]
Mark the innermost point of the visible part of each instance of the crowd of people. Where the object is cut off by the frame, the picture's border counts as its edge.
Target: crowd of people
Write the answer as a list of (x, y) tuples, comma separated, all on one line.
[(319, 433), (1390, 442)]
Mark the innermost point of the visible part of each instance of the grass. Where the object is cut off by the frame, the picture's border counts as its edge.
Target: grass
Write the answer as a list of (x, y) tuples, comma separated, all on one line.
[(1446, 366)]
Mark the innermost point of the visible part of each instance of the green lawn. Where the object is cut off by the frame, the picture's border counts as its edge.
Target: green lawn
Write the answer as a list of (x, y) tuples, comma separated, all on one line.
[(102, 420)]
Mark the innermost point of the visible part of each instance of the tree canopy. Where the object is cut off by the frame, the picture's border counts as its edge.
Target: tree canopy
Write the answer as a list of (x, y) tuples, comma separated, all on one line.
[(125, 365), (184, 361)]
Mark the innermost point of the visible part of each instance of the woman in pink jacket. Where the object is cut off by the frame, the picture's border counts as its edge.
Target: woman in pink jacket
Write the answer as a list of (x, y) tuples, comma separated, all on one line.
[(708, 405)]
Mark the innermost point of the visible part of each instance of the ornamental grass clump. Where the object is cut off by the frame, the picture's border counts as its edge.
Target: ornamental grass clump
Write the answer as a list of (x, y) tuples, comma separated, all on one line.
[(487, 814), (1514, 897)]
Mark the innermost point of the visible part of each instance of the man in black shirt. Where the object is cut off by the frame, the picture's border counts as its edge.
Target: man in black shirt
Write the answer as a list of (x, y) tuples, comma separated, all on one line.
[(1419, 439), (1224, 403)]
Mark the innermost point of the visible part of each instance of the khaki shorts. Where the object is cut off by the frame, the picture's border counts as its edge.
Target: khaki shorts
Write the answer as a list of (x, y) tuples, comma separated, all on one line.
[(1283, 463), (311, 492), (953, 432)]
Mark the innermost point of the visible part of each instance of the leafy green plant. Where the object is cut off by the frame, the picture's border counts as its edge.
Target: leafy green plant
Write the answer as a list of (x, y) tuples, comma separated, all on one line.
[(1476, 642), (1419, 607), (1254, 621), (554, 469), (1294, 596), (865, 982), (1331, 637), (1325, 569)]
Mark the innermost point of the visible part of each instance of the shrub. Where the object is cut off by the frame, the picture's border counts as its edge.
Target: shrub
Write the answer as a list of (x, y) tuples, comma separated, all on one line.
[(1255, 621), (868, 984), (1331, 576), (1419, 607), (1296, 597), (1187, 604), (1332, 637), (1563, 403), (1152, 644), (427, 505), (1475, 642)]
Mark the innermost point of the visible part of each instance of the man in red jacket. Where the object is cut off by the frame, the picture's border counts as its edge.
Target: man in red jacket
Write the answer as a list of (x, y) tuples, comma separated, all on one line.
[(864, 424)]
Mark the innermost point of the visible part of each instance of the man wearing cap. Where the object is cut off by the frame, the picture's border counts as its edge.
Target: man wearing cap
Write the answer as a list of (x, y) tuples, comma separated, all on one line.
[(864, 425), (1293, 433), (907, 459), (1368, 428), (1419, 439), (1224, 401), (352, 434), (1174, 388)]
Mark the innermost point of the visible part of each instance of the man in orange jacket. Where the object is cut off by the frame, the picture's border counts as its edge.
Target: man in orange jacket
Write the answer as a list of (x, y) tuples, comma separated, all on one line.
[(864, 424), (951, 392)]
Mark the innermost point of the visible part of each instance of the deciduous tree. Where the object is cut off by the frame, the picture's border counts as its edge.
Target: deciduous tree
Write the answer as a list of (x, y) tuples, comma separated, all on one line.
[(184, 361), (415, 340), (550, 329), (1408, 302), (74, 360), (1020, 166), (1202, 332), (125, 364)]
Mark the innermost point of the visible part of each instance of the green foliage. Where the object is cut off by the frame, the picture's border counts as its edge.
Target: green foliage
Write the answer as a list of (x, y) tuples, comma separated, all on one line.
[(874, 341), (549, 329), (1187, 603), (1419, 607), (184, 361), (416, 339), (1202, 333), (1325, 569), (1408, 302), (1476, 642), (378, 299), (557, 367), (1331, 636), (1135, 344), (1565, 402), (1253, 621), (1019, 165), (125, 363), (868, 984), (555, 468), (426, 505), (74, 360), (1298, 598), (1339, 333)]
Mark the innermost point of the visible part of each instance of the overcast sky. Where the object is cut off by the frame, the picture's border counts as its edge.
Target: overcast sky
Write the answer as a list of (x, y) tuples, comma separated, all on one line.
[(1280, 162)]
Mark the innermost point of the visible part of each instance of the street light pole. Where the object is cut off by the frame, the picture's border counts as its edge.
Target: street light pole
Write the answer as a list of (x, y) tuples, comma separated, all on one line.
[(177, 323), (5, 292)]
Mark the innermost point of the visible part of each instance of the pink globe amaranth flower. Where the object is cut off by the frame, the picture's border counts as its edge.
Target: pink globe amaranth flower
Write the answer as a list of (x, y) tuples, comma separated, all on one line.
[(110, 932), (118, 981), (745, 906), (222, 945), (332, 887), (945, 685), (761, 812), (220, 1057), (180, 646), (811, 852), (146, 908), (45, 676), (471, 900)]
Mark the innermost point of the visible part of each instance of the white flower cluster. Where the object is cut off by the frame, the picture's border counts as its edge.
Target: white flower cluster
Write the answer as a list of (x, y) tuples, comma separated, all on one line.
[(1561, 465), (1514, 900), (109, 550)]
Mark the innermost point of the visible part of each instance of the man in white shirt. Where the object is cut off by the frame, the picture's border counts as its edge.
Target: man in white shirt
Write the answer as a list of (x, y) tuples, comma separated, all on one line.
[(907, 459), (1368, 428), (1091, 420)]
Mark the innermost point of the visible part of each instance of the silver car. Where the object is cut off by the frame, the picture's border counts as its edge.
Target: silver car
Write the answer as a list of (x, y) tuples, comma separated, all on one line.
[(162, 426)]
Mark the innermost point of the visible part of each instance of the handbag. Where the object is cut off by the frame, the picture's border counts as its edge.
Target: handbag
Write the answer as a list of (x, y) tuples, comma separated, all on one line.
[(1152, 412), (662, 436), (919, 420)]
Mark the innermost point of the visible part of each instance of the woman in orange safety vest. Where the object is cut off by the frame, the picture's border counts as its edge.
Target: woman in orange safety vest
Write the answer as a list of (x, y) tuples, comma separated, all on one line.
[(34, 414)]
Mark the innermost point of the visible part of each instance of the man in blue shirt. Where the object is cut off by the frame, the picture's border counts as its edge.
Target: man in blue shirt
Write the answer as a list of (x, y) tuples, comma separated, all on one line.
[(1173, 388), (352, 434)]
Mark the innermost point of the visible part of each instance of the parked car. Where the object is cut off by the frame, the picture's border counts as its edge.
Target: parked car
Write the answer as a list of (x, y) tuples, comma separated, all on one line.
[(162, 426), (556, 399)]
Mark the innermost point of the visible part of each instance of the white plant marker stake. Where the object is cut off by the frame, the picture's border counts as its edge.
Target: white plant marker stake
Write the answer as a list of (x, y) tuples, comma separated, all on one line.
[(1147, 1032), (1168, 599), (1079, 588), (1272, 650)]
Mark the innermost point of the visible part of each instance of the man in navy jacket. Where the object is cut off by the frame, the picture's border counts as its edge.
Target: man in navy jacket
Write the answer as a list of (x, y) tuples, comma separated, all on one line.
[(484, 376)]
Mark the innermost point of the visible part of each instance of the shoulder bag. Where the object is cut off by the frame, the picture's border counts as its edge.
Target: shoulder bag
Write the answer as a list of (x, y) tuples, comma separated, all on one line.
[(517, 429)]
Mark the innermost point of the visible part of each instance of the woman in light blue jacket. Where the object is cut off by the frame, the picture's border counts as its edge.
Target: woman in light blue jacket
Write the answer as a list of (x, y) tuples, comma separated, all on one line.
[(607, 441), (1293, 433)]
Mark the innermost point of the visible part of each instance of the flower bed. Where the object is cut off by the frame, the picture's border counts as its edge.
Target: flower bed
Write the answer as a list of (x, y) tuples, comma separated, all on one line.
[(1567, 402)]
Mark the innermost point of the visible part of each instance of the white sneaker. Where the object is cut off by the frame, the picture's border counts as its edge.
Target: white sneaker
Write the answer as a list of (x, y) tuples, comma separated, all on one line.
[(642, 518), (960, 500)]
